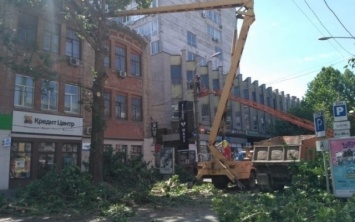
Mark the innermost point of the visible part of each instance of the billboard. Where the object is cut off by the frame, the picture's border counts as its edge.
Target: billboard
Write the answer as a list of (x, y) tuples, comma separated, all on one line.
[(167, 160), (342, 165)]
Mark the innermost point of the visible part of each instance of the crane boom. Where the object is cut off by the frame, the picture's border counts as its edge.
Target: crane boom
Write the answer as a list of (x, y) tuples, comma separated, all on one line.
[(304, 123), (184, 7), (237, 50)]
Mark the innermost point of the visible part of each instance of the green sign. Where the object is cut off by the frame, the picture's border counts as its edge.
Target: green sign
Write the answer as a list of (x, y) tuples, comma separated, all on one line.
[(5, 121)]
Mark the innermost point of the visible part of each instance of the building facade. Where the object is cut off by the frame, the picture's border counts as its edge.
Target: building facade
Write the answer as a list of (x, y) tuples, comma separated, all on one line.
[(44, 121), (181, 45)]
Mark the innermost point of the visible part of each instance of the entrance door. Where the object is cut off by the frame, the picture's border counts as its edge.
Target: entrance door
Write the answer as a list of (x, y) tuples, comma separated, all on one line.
[(46, 158)]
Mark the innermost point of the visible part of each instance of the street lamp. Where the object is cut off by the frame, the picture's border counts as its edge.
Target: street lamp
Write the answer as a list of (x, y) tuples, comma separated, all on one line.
[(195, 80), (334, 37)]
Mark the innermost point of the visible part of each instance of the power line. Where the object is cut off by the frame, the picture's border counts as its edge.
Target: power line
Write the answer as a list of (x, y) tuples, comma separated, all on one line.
[(316, 27), (338, 19), (326, 28), (301, 73)]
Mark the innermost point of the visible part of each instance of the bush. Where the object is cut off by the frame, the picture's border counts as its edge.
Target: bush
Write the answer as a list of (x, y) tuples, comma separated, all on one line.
[(61, 191)]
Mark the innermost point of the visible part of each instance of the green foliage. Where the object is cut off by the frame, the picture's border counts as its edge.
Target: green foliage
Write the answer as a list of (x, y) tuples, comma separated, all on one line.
[(67, 190), (329, 86), (305, 200), (289, 206), (310, 175)]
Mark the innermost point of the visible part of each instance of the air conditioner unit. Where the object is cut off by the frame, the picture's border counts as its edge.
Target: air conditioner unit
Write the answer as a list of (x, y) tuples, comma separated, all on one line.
[(88, 130), (74, 62), (122, 74)]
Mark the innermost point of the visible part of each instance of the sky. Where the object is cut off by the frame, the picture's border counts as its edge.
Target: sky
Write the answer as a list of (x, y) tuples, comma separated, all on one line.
[(282, 50)]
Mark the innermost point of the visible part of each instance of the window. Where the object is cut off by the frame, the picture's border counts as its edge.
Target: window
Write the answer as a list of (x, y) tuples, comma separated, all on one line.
[(228, 118), (204, 81), (218, 49), (175, 115), (205, 110), (261, 99), (262, 123), (71, 103), (108, 147), (20, 160), (215, 34), (191, 39), (107, 104), (253, 94), (121, 107), (72, 46), (246, 93), (51, 35), (27, 30), (136, 151), (69, 154), (49, 95), (24, 91), (214, 16), (148, 29), (120, 58), (215, 83), (135, 64), (154, 47), (121, 152), (189, 78), (236, 91), (191, 56), (238, 119), (46, 158), (255, 122), (175, 75), (107, 60), (136, 109)]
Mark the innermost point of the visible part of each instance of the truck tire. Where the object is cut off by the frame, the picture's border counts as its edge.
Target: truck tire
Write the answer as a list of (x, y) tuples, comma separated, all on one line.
[(220, 182), (279, 187), (266, 187), (250, 183)]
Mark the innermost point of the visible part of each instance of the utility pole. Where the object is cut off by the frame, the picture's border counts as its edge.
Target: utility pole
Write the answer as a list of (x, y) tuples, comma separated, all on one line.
[(197, 84)]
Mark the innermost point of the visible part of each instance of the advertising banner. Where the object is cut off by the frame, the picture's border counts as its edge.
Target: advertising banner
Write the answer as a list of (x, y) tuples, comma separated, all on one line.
[(28, 122), (167, 160), (342, 164)]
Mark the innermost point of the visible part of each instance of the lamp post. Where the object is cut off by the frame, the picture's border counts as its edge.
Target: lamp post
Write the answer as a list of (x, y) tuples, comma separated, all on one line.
[(197, 130), (335, 37)]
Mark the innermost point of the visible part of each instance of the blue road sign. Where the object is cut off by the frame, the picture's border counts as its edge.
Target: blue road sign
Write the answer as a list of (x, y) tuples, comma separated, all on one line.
[(340, 112), (319, 124)]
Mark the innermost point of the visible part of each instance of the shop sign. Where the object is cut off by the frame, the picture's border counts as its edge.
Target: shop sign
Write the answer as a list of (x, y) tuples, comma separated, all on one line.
[(38, 123)]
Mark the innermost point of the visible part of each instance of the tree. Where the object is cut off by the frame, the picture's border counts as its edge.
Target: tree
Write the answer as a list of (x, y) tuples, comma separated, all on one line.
[(283, 128), (330, 85), (92, 20)]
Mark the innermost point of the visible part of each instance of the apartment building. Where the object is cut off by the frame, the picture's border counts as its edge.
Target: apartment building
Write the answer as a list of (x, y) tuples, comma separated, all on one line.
[(44, 122), (181, 45)]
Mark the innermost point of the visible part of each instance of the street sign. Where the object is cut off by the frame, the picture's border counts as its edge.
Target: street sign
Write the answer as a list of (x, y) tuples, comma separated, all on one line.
[(322, 145), (319, 124), (343, 125), (341, 133), (340, 112)]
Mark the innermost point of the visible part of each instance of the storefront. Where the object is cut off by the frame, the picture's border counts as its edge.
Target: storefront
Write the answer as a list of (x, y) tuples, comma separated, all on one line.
[(41, 142)]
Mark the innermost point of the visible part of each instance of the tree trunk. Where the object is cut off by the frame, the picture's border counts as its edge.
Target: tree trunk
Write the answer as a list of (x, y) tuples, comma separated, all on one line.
[(98, 120)]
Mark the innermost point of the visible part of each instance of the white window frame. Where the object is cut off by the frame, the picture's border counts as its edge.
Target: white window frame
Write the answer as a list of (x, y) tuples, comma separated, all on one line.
[(49, 96), (24, 92), (73, 100)]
